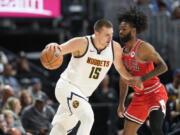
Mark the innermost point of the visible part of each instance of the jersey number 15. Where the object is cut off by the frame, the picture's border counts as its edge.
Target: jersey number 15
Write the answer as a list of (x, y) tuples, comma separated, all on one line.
[(95, 71)]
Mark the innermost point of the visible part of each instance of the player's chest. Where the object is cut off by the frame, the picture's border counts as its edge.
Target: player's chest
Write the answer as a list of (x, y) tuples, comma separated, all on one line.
[(130, 61)]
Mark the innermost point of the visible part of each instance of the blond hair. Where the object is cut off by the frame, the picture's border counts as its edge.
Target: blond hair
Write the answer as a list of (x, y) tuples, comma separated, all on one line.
[(11, 104), (102, 23)]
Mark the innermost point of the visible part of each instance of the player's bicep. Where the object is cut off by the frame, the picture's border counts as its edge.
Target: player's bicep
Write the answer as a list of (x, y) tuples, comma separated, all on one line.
[(72, 45), (154, 56), (148, 53)]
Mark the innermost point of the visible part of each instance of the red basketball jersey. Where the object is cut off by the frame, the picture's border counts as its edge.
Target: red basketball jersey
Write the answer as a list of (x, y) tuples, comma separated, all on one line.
[(140, 68)]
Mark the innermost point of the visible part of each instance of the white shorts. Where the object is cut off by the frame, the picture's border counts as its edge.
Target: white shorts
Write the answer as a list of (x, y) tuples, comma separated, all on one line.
[(72, 101)]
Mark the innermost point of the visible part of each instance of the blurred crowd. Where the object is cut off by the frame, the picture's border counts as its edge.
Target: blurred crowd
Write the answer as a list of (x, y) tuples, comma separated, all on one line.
[(25, 109), (27, 102)]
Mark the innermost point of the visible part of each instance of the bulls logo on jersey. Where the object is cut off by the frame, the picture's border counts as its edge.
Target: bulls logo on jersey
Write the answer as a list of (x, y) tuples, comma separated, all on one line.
[(75, 104), (132, 54)]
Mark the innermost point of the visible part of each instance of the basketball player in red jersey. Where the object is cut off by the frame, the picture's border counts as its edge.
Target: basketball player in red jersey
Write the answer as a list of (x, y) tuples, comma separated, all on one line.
[(139, 58)]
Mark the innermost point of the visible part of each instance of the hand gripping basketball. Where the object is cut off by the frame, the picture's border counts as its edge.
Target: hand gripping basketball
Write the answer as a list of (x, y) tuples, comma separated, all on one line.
[(51, 57)]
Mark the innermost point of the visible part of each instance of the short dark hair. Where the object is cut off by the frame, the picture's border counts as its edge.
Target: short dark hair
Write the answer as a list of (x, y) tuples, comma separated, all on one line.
[(161, 4), (102, 23), (135, 18)]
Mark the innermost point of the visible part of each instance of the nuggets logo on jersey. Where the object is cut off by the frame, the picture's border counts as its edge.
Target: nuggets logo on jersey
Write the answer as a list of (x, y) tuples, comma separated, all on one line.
[(97, 62), (75, 104)]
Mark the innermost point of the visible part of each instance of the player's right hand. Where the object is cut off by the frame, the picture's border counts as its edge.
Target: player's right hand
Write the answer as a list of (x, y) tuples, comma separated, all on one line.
[(139, 83), (121, 109), (135, 81)]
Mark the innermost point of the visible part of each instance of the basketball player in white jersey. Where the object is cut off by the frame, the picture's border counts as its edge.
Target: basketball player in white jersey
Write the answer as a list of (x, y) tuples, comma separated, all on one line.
[(92, 57)]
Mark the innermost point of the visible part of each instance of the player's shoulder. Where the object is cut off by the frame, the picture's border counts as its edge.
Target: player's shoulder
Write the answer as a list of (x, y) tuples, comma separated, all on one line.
[(79, 39), (117, 49), (116, 44), (145, 46)]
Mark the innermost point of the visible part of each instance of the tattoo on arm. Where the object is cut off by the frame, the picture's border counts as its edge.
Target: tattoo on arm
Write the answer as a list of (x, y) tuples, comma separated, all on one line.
[(158, 70)]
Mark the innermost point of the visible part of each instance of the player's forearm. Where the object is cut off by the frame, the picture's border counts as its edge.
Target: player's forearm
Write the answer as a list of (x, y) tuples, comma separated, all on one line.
[(158, 70), (119, 65), (67, 48), (123, 92), (73, 45), (124, 73)]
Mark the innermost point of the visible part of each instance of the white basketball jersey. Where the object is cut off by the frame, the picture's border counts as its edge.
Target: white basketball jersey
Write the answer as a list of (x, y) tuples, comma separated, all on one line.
[(87, 71)]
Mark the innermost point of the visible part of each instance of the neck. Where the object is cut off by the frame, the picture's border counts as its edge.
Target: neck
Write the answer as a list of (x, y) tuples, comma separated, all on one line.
[(130, 43), (97, 44)]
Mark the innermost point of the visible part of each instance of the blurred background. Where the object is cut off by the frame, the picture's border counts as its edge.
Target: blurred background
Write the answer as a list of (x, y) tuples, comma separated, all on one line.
[(26, 26)]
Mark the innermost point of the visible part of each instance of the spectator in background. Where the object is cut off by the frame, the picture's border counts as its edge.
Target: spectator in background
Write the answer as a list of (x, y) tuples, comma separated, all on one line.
[(9, 127), (9, 119), (37, 118), (143, 5), (13, 106), (36, 89), (163, 9), (175, 3), (22, 66), (8, 78), (6, 92), (176, 13), (175, 123), (173, 88), (105, 94), (160, 6), (25, 99), (3, 60), (3, 125)]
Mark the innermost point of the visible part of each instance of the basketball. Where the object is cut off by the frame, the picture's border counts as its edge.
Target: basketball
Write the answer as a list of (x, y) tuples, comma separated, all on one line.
[(51, 58)]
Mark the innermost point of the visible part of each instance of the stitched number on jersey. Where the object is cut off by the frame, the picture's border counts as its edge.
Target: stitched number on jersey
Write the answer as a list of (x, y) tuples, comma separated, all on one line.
[(95, 71)]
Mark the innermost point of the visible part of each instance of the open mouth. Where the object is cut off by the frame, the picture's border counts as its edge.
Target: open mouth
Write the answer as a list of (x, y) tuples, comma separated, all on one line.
[(108, 42)]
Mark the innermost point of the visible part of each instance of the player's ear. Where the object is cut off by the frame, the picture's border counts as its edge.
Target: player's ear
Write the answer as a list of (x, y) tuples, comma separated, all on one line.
[(96, 33)]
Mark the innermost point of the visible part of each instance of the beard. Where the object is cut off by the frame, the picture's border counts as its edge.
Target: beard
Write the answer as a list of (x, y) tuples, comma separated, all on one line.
[(126, 38)]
